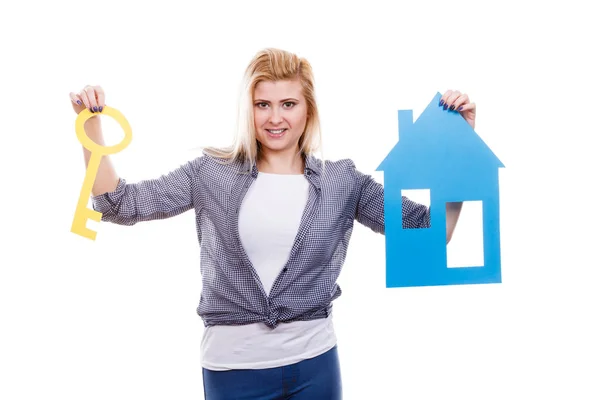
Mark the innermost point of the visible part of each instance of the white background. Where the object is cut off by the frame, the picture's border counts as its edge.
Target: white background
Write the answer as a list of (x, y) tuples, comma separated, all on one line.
[(115, 318)]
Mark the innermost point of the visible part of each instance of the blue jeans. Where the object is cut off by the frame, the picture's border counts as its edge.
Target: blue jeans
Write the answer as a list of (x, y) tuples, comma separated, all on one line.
[(317, 378)]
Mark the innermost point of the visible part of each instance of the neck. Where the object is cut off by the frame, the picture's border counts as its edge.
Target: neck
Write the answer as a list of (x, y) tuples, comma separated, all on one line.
[(284, 162)]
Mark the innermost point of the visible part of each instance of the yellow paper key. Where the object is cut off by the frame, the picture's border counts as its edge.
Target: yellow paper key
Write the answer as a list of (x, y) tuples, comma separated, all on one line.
[(83, 213)]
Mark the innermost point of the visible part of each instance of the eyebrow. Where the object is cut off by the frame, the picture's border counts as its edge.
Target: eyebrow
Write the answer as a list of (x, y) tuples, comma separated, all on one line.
[(282, 101)]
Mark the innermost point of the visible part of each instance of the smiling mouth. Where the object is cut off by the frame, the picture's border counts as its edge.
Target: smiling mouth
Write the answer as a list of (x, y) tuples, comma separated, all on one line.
[(276, 132)]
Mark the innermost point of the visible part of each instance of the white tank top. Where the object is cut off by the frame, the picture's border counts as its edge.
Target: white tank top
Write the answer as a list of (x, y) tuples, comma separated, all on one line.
[(268, 223)]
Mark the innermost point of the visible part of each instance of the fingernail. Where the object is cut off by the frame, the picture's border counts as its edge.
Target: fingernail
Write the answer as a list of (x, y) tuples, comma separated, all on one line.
[(91, 109), (460, 108), (100, 109), (445, 106), (441, 102), (79, 102), (452, 108), (95, 109)]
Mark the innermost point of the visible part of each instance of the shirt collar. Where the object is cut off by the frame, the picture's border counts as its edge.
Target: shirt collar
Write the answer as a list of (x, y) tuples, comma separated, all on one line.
[(313, 165)]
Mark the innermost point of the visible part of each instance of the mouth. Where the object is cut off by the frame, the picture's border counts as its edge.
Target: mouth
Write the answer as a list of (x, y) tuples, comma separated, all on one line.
[(276, 132)]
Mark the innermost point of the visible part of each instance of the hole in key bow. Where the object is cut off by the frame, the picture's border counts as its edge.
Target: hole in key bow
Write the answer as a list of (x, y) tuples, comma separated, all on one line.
[(111, 131)]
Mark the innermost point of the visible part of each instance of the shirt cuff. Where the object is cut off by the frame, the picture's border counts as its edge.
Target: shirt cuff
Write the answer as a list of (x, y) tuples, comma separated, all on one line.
[(105, 202)]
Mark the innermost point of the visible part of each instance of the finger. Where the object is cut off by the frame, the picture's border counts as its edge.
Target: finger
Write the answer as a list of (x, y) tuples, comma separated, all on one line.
[(75, 98), (100, 97), (445, 97), (83, 97), (91, 95), (451, 102), (459, 102), (467, 107)]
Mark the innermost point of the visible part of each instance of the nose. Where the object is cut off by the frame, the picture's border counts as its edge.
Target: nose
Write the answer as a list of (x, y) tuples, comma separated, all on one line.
[(275, 117)]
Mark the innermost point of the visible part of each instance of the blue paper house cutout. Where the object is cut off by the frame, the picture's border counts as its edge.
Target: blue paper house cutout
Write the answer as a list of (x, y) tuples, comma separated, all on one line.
[(440, 152)]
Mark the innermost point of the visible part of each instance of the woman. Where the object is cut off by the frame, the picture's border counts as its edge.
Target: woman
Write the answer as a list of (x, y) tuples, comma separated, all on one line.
[(273, 224)]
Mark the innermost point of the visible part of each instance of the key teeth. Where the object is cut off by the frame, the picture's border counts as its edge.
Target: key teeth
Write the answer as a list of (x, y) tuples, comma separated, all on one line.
[(84, 232), (81, 218), (93, 215)]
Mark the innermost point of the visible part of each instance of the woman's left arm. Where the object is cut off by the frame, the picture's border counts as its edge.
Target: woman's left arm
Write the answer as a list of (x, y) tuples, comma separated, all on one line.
[(454, 100), (370, 206)]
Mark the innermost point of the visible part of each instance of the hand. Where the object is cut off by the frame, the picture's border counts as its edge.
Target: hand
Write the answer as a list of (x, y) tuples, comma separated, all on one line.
[(90, 97), (456, 101)]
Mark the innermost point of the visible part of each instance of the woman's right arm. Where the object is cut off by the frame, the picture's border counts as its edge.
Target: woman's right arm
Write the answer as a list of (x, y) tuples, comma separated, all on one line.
[(129, 203), (92, 98)]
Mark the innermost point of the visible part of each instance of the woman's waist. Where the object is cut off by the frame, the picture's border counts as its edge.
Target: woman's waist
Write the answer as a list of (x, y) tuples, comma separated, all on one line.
[(256, 345)]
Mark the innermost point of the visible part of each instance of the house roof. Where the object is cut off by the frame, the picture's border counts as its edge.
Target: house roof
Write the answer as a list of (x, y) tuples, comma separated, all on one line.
[(440, 137)]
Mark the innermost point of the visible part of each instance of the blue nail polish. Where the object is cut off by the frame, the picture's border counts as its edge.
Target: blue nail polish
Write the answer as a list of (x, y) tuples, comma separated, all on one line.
[(445, 106), (100, 109), (460, 108), (441, 103), (452, 108), (95, 109), (79, 102)]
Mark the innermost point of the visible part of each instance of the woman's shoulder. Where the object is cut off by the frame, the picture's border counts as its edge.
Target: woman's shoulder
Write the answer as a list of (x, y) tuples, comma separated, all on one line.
[(218, 163), (342, 165), (210, 168), (337, 172)]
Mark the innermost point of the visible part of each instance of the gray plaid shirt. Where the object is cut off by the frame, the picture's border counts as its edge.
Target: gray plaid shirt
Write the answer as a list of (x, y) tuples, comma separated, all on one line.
[(232, 293)]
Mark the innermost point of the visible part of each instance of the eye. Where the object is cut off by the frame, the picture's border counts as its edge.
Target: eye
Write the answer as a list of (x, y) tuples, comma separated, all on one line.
[(262, 105), (289, 104)]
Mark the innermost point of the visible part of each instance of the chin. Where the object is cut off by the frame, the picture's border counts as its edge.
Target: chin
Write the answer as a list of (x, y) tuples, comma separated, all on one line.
[(275, 146), (280, 143)]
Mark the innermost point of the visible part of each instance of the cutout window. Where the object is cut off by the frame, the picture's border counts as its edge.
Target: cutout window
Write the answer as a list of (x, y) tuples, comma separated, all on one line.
[(466, 246)]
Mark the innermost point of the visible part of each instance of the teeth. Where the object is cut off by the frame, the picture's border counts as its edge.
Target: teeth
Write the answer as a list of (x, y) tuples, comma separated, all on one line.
[(276, 131)]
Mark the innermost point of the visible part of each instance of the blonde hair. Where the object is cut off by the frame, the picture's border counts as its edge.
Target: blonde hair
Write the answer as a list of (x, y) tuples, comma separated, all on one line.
[(271, 64)]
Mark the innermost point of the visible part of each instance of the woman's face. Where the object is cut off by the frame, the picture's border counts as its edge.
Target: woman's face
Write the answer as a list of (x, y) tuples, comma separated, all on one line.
[(280, 113)]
